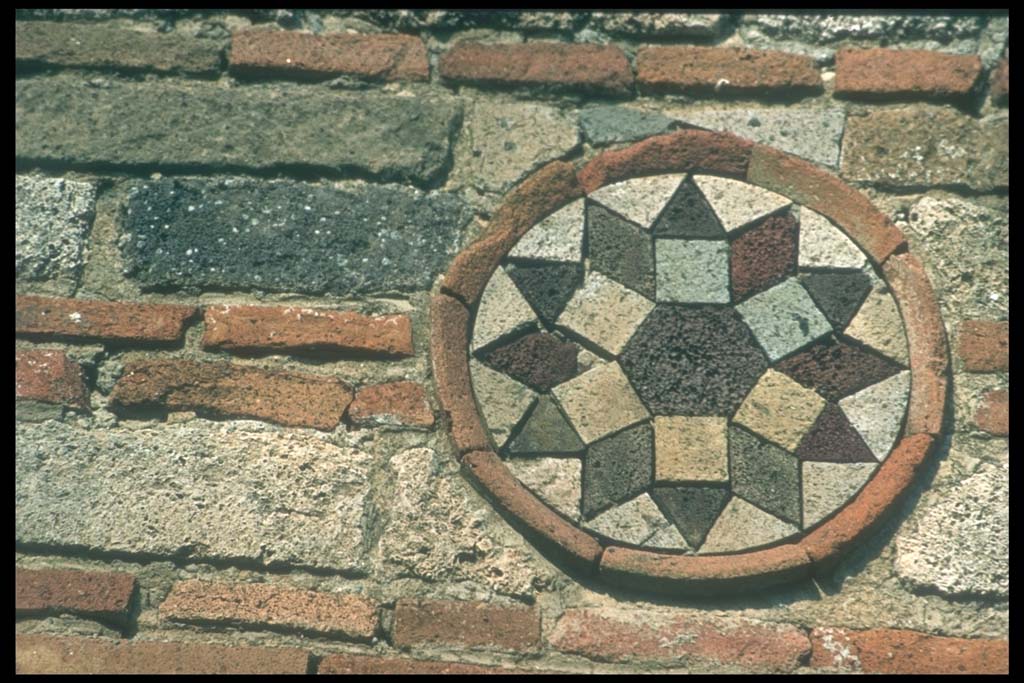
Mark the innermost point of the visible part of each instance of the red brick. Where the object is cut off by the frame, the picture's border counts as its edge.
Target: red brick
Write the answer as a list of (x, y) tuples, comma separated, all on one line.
[(263, 605), (725, 70), (692, 151), (926, 341), (227, 390), (40, 654), (103, 595), (381, 56), (100, 320), (583, 66), (905, 73), (623, 635), (293, 328), (984, 345), (537, 197), (897, 651), (356, 664), (449, 349), (1000, 88), (549, 531), (465, 624), (820, 191), (993, 415), (396, 403), (49, 376)]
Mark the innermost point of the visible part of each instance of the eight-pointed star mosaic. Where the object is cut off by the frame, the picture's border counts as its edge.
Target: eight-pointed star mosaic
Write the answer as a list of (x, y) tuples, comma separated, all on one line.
[(689, 362)]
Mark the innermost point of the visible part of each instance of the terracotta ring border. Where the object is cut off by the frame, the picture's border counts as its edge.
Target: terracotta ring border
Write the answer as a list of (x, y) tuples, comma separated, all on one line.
[(693, 151)]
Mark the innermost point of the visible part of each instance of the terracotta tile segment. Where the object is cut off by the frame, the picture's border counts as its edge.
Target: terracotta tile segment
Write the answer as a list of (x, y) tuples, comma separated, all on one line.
[(926, 339), (898, 651), (228, 390), (595, 68), (724, 70), (488, 473), (263, 605), (825, 544), (293, 328), (540, 360), (449, 330), (467, 624), (360, 665), (763, 256), (395, 404), (100, 320), (905, 73), (622, 635), (382, 56), (102, 595), (994, 414), (984, 345), (39, 654), (540, 195), (835, 369), (819, 190), (48, 375), (704, 575), (1000, 88), (695, 151)]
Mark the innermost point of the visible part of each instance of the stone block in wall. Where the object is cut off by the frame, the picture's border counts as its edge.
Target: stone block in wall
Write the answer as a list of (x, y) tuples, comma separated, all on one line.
[(658, 24), (52, 219)]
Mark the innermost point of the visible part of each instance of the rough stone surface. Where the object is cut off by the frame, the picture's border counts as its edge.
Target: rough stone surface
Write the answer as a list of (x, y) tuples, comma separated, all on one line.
[(692, 509), (829, 485), (960, 545), (838, 295), (556, 481), (49, 376), (692, 271), (501, 142), (823, 29), (98, 46), (814, 134), (395, 404), (610, 124), (765, 475), (994, 414), (741, 526), (824, 245), (195, 124), (599, 402), (690, 449), (633, 522), (895, 651), (546, 431), (660, 24), (833, 439), (780, 410), (936, 146), (101, 595), (688, 214), (702, 70), (621, 250), (984, 345), (639, 199), (877, 412), (559, 237), (539, 360), (254, 493), (905, 73), (52, 218), (470, 624), (878, 324), (84, 319), (502, 400), (1000, 89), (617, 468), (835, 369), (736, 203), (502, 311), (763, 256), (604, 312), (363, 238), (546, 286), (686, 361), (784, 318)]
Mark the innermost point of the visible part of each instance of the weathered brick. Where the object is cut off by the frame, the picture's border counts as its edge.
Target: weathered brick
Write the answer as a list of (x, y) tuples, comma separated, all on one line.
[(394, 403), (594, 68), (102, 595), (39, 654), (984, 345), (293, 328), (104, 47), (380, 56), (62, 119), (49, 376), (896, 651), (1000, 84), (110, 321), (725, 70), (52, 219), (620, 635), (905, 73), (993, 415), (356, 664), (228, 390), (468, 624), (264, 605)]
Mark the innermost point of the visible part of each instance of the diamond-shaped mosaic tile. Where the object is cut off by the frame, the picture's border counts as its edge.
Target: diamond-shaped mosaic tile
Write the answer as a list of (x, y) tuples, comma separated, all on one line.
[(692, 509), (546, 286), (539, 360), (633, 522), (640, 199), (502, 310), (835, 369), (690, 449), (763, 256), (765, 475), (738, 204), (605, 313), (617, 468), (600, 401), (829, 485), (824, 245), (780, 410), (877, 412), (559, 237), (620, 250), (546, 431), (742, 525), (688, 214), (502, 400), (783, 318), (556, 481), (692, 271)]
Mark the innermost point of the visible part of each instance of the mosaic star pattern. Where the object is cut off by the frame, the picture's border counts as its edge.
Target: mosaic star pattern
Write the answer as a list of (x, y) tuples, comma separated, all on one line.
[(690, 363)]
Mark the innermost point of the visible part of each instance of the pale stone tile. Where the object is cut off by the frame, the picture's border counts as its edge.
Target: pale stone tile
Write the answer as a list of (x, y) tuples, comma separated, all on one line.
[(559, 237), (605, 312), (878, 324), (692, 271), (877, 412), (502, 400), (600, 401), (556, 481), (634, 521), (780, 410), (824, 245), (827, 486), (784, 318), (639, 199), (502, 310), (742, 525), (668, 538), (690, 449), (737, 203)]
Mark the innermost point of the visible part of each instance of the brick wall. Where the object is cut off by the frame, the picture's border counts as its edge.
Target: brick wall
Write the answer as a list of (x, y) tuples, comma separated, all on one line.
[(229, 452)]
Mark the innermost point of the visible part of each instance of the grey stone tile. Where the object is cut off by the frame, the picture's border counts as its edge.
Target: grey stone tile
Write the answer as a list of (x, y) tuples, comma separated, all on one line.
[(784, 318), (692, 271)]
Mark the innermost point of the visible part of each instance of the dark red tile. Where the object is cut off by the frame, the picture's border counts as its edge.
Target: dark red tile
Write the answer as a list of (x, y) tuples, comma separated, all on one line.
[(764, 255), (836, 369), (833, 439)]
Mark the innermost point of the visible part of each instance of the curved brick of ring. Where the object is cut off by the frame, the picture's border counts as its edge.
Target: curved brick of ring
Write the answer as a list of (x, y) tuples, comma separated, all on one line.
[(554, 186)]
